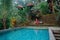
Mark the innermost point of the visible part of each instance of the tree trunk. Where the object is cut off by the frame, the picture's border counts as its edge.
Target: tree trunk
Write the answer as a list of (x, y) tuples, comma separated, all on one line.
[(4, 23), (51, 6)]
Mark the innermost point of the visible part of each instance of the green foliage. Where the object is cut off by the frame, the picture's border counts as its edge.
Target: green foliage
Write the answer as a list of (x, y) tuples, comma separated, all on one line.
[(9, 11), (7, 23), (5, 8), (43, 7), (23, 14), (1, 24)]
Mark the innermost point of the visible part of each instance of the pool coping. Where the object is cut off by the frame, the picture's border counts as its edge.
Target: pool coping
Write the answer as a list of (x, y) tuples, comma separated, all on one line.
[(51, 34), (10, 29)]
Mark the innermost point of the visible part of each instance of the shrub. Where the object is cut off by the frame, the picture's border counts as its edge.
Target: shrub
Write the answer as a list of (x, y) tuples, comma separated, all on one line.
[(43, 7)]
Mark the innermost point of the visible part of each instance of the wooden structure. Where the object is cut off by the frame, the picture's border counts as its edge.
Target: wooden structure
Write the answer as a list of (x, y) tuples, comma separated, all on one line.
[(49, 19)]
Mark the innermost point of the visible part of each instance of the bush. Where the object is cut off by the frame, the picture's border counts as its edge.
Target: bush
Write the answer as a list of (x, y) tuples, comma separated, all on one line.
[(58, 19), (1, 24), (43, 7), (7, 23)]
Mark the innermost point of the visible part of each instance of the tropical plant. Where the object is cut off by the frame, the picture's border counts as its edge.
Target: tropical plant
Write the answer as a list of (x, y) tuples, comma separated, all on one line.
[(5, 10), (43, 7), (23, 14)]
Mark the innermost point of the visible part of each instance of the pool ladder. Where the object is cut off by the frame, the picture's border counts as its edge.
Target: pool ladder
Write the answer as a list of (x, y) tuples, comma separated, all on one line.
[(56, 34)]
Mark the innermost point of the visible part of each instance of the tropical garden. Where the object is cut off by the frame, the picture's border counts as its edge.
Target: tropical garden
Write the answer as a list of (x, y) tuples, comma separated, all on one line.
[(16, 13)]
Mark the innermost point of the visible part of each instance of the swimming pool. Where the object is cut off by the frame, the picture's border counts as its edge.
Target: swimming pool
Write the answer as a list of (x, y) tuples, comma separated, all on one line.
[(26, 34)]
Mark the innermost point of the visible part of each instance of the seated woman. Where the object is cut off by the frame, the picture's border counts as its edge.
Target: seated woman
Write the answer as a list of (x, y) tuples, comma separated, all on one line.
[(36, 16)]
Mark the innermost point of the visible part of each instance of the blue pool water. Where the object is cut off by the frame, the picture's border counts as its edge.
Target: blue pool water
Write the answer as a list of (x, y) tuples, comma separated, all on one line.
[(26, 34)]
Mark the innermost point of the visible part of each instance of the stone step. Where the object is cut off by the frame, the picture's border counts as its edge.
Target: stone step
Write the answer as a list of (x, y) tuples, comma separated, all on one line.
[(57, 38), (57, 35), (56, 31)]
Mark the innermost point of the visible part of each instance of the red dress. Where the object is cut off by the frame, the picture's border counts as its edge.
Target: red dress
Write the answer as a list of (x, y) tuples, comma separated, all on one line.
[(37, 21)]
